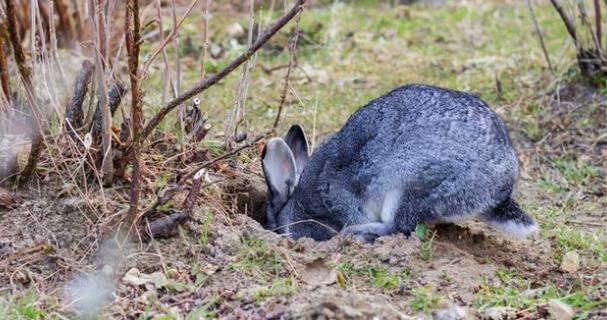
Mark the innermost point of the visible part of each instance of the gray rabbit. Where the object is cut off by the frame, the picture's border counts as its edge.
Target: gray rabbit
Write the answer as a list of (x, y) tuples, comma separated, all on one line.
[(417, 154)]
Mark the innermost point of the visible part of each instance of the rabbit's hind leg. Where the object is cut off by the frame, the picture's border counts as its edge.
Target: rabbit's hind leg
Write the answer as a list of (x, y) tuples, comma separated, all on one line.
[(368, 232)]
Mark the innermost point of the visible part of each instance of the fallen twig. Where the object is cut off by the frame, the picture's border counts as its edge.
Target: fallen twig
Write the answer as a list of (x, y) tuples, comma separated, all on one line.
[(191, 173), (163, 226), (588, 223)]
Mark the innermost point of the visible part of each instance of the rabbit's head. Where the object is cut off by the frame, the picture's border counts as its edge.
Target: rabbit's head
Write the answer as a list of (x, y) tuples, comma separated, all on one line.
[(283, 161)]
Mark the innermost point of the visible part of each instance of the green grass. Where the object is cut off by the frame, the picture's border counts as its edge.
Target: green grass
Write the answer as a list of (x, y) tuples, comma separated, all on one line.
[(256, 256), (204, 234), (205, 311), (27, 306), (376, 275), (424, 299), (279, 288), (514, 291), (592, 244), (385, 48), (353, 52)]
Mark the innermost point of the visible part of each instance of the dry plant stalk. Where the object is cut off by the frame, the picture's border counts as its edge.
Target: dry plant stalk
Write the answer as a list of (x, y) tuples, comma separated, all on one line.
[(168, 82), (285, 89), (4, 76), (26, 77), (242, 87), (66, 30), (540, 35), (205, 34), (132, 38), (190, 201), (177, 87), (74, 112), (208, 82), (590, 53), (98, 19)]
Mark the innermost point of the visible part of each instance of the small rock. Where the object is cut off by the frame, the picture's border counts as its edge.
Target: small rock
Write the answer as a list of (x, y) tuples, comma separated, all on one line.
[(571, 262), (135, 278), (559, 310), (235, 30), (216, 50), (107, 270), (499, 313), (318, 274), (453, 312)]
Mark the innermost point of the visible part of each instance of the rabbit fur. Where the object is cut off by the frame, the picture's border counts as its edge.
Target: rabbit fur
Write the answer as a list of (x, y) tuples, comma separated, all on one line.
[(419, 153)]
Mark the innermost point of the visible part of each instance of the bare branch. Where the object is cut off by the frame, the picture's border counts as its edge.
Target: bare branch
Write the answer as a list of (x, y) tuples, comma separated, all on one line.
[(211, 162), (208, 82), (132, 37), (597, 22), (567, 20), (4, 76), (285, 89), (26, 77), (540, 35), (74, 112)]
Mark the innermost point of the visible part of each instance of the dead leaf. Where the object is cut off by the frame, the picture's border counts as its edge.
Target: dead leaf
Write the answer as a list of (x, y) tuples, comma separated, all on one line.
[(135, 278), (209, 269), (7, 199)]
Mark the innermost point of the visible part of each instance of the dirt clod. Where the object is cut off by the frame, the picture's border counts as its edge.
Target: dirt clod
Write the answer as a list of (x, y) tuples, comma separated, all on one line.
[(559, 310), (499, 313), (571, 262)]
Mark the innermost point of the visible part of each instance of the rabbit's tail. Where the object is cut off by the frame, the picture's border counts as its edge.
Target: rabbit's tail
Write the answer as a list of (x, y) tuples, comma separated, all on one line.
[(510, 218)]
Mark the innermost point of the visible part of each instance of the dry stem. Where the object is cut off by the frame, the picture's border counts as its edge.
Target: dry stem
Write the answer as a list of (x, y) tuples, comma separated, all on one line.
[(208, 82), (132, 38)]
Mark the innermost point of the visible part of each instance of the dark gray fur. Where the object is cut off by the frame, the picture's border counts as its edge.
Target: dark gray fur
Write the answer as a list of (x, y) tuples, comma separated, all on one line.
[(446, 153)]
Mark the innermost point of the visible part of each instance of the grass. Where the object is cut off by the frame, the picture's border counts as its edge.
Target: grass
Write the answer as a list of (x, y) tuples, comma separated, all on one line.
[(352, 53), (424, 299), (27, 306), (204, 234), (279, 288), (375, 275), (512, 290), (205, 310), (417, 41), (256, 256)]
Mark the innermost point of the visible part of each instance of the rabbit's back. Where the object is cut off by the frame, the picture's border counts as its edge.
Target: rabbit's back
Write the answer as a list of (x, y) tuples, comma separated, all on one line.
[(427, 141)]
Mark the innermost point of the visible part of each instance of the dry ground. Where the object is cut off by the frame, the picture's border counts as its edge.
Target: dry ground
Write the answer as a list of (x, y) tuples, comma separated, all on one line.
[(61, 256)]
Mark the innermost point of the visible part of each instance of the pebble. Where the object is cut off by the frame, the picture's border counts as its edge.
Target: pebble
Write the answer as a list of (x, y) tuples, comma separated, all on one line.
[(560, 310), (571, 262), (453, 312), (499, 313)]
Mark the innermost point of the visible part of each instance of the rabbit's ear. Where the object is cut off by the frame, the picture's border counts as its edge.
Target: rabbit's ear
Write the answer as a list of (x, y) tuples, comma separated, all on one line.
[(279, 168), (296, 139)]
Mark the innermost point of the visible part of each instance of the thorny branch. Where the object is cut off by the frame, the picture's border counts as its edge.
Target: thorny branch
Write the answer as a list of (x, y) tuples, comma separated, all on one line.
[(132, 38)]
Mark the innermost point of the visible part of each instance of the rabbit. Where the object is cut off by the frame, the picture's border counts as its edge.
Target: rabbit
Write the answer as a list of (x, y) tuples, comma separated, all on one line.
[(419, 153)]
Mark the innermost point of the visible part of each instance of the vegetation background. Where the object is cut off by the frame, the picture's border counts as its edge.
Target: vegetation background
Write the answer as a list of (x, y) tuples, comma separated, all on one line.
[(132, 188)]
